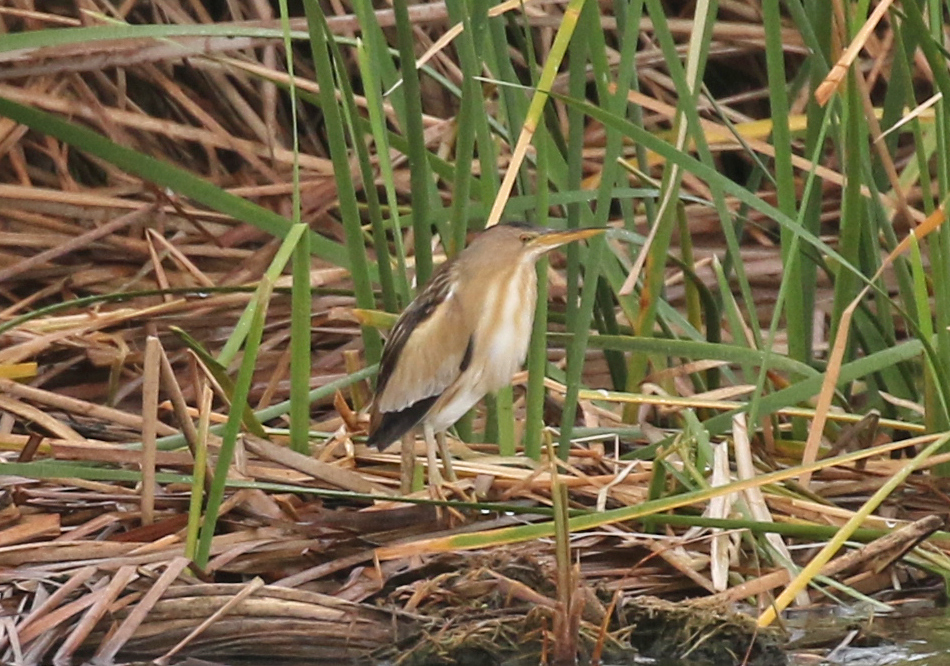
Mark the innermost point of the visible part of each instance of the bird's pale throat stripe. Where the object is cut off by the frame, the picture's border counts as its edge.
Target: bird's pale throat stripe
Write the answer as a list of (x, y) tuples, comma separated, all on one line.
[(508, 318)]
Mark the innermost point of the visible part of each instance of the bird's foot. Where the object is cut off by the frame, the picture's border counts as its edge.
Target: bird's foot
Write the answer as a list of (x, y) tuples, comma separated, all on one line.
[(437, 493)]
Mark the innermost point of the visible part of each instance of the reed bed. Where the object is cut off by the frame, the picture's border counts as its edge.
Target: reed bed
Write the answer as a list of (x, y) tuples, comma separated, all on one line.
[(736, 403)]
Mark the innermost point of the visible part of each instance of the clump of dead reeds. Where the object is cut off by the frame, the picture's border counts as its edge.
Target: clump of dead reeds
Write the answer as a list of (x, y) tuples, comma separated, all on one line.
[(206, 220)]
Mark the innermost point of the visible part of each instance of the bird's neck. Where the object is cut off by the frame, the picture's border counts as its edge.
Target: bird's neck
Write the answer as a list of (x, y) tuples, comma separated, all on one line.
[(504, 322)]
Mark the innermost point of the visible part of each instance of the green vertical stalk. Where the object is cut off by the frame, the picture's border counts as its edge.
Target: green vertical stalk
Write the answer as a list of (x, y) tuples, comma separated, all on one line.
[(351, 117), (608, 325), (538, 349), (537, 363), (853, 212), (811, 213), (414, 133), (242, 387), (799, 327), (577, 80), (300, 366), (616, 103), (505, 418), (900, 91), (577, 348), (489, 179), (633, 14), (349, 210), (492, 55), (300, 292), (534, 117), (799, 304), (938, 415), (372, 36), (941, 119), (379, 73), (693, 306), (471, 115), (937, 373), (289, 53), (687, 82), (512, 105), (199, 469), (809, 192), (464, 155), (576, 314), (372, 86), (905, 51), (629, 17)]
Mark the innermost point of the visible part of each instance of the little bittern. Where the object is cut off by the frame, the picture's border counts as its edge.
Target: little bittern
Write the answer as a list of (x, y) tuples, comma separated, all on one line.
[(464, 335)]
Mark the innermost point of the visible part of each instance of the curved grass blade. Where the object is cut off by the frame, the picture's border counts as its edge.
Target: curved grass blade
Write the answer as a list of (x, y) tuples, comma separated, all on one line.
[(165, 175), (242, 387)]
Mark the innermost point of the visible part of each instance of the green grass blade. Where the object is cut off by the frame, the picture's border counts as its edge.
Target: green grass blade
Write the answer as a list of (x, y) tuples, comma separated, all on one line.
[(799, 300), (281, 258), (356, 250), (538, 347), (420, 180), (300, 363), (353, 121), (199, 470), (165, 175), (53, 37), (372, 89), (172, 442), (242, 387)]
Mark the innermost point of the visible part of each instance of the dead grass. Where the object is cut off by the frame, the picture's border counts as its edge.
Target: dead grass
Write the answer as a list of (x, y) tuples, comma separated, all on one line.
[(82, 574)]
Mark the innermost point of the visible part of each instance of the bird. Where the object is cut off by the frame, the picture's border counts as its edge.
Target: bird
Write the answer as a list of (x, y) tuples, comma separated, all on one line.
[(464, 335)]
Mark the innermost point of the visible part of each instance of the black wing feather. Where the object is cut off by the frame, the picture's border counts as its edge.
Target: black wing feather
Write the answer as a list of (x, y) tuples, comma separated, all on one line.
[(467, 357), (394, 425), (387, 427)]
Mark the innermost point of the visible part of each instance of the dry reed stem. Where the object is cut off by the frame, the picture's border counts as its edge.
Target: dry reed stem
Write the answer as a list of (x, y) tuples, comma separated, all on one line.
[(30, 528), (65, 235), (249, 589), (95, 612)]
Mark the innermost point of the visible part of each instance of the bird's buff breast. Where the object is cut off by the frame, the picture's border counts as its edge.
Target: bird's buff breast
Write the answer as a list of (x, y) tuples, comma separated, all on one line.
[(501, 342)]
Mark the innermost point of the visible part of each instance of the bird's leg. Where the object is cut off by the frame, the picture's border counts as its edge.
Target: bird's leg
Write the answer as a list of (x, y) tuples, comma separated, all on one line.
[(435, 479), (408, 465), (446, 457)]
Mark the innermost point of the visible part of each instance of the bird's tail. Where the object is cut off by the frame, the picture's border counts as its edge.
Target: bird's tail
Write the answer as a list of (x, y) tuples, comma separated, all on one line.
[(386, 427)]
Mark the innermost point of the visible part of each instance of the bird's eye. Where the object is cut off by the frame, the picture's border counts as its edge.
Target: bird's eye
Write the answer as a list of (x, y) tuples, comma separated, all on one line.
[(525, 237)]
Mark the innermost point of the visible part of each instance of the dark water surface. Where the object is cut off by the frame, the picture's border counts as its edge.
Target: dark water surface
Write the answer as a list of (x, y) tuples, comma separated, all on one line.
[(883, 641)]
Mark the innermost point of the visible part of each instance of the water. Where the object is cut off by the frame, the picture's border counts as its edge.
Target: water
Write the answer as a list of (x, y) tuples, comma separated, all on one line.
[(923, 640)]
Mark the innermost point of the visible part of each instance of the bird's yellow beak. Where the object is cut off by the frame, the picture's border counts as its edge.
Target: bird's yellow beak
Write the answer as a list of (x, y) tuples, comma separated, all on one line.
[(552, 239)]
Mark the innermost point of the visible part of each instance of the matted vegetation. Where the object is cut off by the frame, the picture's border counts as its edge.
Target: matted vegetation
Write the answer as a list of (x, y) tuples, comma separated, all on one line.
[(738, 397)]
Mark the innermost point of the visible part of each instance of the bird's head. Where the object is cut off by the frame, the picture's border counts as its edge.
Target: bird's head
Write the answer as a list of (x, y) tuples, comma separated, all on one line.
[(521, 242)]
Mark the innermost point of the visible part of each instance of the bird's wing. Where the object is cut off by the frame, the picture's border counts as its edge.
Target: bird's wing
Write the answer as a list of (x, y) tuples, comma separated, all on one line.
[(427, 350)]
